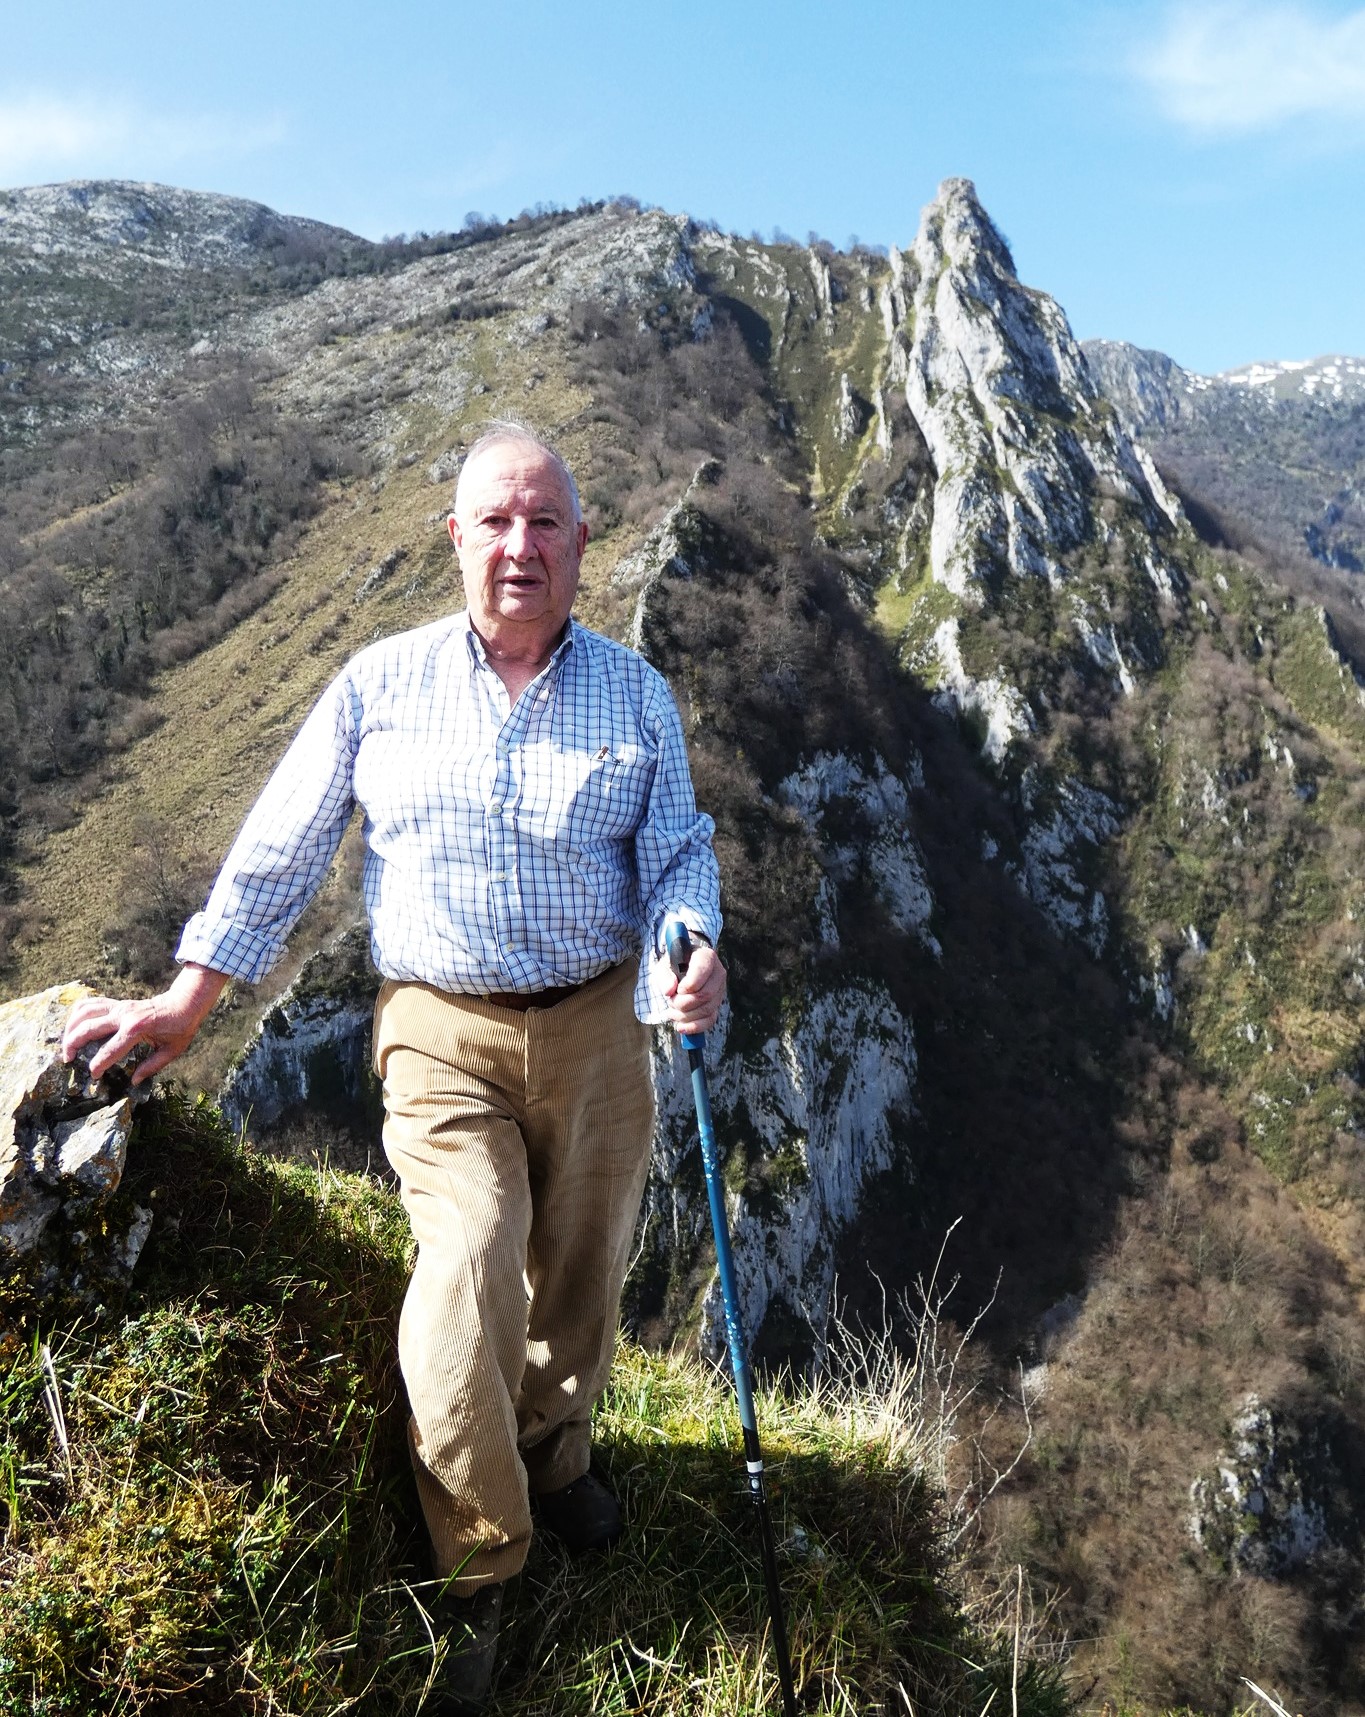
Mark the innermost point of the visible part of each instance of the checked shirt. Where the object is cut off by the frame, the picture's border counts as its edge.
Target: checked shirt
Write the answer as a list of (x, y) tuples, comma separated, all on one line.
[(508, 848)]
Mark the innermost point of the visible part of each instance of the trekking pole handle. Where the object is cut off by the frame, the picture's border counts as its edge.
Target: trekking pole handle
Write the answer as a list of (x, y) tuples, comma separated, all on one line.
[(679, 946)]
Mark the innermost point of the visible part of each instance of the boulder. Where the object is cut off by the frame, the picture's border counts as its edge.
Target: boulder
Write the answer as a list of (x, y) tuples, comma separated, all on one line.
[(63, 1138)]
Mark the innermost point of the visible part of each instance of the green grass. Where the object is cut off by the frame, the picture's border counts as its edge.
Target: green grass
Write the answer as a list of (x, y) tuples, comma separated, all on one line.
[(909, 612), (226, 1521)]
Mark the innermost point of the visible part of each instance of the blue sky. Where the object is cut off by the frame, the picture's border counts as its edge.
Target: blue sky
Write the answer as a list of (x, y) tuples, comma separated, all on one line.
[(1182, 173)]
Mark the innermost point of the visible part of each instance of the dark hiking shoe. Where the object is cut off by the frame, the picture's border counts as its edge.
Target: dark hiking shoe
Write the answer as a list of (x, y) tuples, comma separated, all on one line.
[(583, 1515), (466, 1671)]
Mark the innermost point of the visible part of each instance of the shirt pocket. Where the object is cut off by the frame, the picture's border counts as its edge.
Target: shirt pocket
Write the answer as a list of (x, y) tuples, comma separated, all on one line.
[(623, 785), (600, 796)]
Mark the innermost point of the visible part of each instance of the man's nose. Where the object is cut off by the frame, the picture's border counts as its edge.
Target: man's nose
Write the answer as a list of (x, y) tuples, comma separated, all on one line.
[(517, 545)]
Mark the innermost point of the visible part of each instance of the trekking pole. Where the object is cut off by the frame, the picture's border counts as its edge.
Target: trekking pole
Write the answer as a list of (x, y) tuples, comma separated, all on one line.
[(679, 945)]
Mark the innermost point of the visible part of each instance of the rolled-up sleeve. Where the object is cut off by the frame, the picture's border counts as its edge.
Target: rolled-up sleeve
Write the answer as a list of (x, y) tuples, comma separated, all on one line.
[(674, 857), (284, 848)]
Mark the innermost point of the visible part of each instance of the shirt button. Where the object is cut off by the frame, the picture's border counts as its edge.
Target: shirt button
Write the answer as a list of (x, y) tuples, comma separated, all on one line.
[(497, 876), (495, 809)]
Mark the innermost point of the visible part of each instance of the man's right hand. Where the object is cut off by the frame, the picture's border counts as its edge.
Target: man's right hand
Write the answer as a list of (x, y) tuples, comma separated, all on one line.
[(166, 1022)]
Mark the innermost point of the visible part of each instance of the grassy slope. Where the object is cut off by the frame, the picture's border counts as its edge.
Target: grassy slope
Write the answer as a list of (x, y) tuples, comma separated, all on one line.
[(229, 1523)]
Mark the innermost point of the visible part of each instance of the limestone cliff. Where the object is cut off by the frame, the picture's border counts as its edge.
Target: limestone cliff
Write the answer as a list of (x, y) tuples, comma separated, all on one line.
[(1026, 453)]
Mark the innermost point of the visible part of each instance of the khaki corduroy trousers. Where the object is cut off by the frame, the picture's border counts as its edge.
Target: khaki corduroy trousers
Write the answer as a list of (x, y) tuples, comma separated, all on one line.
[(521, 1142)]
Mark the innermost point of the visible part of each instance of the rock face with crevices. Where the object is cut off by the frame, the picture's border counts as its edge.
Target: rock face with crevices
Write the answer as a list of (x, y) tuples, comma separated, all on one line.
[(677, 547), (63, 1140), (1019, 434), (824, 1103), (1270, 1505), (311, 1050)]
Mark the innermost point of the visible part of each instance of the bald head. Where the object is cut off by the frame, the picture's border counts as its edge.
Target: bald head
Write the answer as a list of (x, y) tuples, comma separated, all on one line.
[(507, 437)]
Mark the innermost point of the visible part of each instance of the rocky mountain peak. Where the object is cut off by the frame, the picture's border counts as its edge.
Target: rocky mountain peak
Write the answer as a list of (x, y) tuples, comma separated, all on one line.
[(1000, 389), (955, 225)]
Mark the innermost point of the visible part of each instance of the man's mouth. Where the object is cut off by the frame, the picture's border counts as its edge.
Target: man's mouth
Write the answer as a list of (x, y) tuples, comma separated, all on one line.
[(521, 583)]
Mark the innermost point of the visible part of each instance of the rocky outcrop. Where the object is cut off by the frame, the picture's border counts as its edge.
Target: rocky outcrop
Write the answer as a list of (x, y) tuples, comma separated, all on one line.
[(1018, 432), (1267, 1507), (1041, 503), (312, 1048), (1058, 848), (860, 818), (851, 415), (63, 1142), (1035, 479), (824, 284), (676, 548), (817, 1108), (1000, 708)]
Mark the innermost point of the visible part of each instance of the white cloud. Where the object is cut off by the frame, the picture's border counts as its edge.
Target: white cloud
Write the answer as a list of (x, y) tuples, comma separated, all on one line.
[(1238, 66), (44, 136)]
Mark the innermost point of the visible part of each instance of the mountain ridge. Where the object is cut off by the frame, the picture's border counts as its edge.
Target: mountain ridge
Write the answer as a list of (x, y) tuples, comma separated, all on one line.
[(85, 219), (1038, 813), (1272, 455)]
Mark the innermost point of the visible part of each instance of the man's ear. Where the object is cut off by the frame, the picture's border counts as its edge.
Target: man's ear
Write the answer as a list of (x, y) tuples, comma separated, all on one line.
[(453, 527), (582, 536)]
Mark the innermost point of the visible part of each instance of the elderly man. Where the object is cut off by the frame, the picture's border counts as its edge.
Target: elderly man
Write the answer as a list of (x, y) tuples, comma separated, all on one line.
[(529, 825)]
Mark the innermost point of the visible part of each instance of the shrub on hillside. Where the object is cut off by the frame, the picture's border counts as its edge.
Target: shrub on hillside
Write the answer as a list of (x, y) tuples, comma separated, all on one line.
[(161, 887)]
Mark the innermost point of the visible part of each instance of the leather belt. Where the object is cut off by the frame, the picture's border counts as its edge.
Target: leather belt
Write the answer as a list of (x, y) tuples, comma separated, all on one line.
[(536, 999)]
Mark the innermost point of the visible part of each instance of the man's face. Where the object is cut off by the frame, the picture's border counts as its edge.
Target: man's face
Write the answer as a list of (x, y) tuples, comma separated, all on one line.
[(519, 546)]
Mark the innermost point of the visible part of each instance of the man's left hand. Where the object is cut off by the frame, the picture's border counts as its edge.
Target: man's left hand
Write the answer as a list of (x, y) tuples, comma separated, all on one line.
[(696, 997)]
